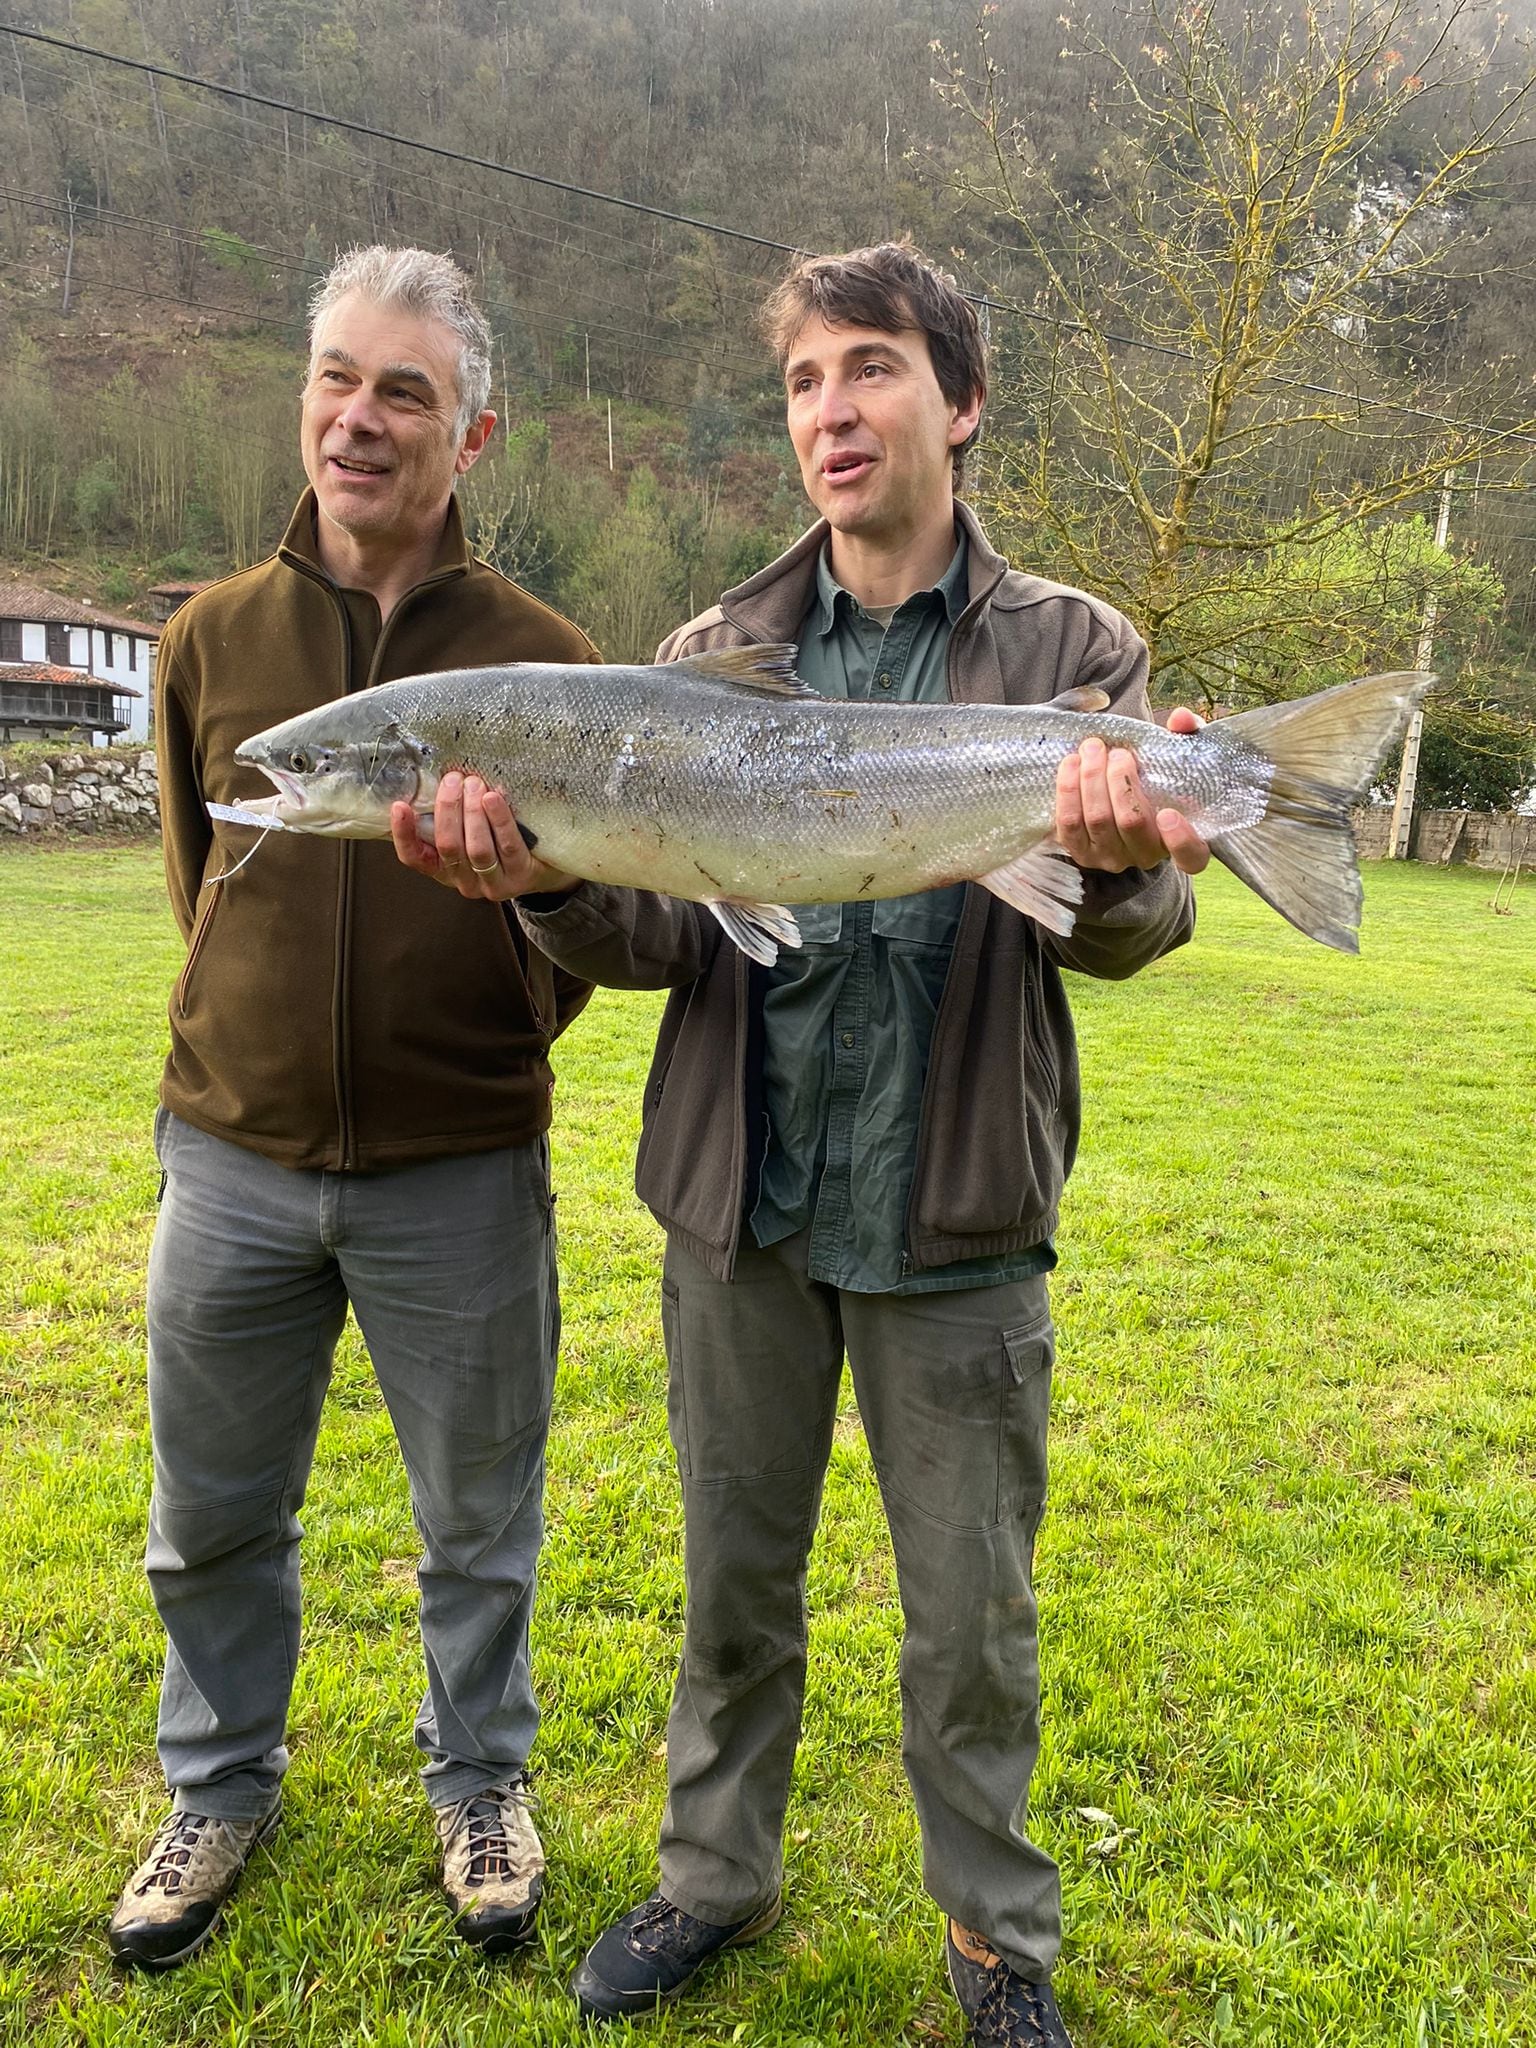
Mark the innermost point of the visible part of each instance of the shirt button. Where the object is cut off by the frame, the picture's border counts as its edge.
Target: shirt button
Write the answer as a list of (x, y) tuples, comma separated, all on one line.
[(885, 681), (848, 1038)]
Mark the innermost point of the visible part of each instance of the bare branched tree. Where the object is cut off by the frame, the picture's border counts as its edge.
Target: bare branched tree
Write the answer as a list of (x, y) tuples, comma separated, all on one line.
[(1209, 366)]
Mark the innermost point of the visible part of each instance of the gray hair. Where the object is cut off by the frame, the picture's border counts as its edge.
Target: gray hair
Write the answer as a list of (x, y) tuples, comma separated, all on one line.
[(432, 287)]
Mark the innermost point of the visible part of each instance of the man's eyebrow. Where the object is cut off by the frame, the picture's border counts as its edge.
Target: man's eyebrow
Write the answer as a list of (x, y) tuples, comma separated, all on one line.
[(862, 351), (396, 373)]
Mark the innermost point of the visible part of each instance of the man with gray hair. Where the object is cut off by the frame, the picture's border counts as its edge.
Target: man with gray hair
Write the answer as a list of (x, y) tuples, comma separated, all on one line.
[(350, 1056)]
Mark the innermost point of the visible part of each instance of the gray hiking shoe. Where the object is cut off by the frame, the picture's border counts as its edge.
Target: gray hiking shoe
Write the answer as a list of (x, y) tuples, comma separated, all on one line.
[(175, 1899), (493, 1865)]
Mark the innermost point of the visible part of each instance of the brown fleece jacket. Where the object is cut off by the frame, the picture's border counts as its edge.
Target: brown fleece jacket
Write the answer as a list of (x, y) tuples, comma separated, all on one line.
[(335, 1010)]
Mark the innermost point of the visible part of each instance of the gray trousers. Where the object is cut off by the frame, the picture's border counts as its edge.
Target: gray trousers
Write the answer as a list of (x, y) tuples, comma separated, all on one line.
[(954, 1392), (450, 1270)]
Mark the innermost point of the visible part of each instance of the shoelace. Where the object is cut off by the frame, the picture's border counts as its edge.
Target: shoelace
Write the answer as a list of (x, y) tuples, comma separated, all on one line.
[(661, 1926), (174, 1856), (1012, 2007), (488, 1854)]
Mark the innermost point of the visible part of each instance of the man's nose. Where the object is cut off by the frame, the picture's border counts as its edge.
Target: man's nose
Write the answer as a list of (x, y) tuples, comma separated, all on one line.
[(362, 413), (835, 408)]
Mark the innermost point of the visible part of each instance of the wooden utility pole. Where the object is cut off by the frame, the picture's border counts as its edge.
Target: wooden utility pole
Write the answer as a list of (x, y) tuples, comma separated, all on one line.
[(1408, 775)]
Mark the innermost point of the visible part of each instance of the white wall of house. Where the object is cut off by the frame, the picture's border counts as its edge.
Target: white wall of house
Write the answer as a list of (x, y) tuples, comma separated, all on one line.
[(111, 655), (125, 658)]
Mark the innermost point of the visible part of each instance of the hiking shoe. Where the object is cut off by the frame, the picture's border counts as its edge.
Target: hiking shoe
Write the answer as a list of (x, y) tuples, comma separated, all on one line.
[(1005, 2010), (176, 1897), (651, 1954), (493, 1865)]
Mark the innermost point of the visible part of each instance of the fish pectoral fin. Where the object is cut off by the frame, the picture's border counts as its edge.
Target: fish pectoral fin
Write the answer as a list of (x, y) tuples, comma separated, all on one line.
[(1043, 883), (1088, 697), (758, 928), (767, 671)]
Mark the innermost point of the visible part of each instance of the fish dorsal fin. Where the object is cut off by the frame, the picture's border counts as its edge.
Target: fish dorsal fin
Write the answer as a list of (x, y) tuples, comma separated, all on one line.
[(758, 928), (1088, 697), (1043, 883), (768, 670)]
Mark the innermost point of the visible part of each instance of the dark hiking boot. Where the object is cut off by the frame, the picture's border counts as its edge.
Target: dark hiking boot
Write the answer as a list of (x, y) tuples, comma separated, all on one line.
[(650, 1955), (1005, 2010)]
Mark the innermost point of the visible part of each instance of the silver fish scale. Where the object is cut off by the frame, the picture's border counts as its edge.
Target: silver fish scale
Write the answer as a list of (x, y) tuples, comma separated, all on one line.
[(665, 779)]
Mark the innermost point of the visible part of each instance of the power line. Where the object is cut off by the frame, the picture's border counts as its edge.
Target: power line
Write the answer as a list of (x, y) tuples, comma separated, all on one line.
[(455, 156), (370, 166), (1304, 386)]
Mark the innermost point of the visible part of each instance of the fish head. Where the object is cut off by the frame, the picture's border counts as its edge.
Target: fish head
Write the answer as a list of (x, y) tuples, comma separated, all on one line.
[(339, 770)]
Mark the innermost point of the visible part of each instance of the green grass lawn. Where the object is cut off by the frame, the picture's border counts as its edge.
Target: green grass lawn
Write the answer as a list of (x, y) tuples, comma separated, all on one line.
[(1287, 1580)]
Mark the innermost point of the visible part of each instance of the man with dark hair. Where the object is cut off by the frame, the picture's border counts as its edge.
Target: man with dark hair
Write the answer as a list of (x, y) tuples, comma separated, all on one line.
[(859, 1152), (347, 1056)]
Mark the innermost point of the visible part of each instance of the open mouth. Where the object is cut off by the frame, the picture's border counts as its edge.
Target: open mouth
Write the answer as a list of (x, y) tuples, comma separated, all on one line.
[(349, 467), (844, 465)]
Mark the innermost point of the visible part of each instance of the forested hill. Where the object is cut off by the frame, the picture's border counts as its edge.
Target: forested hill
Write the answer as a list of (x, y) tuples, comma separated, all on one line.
[(804, 122), (157, 242)]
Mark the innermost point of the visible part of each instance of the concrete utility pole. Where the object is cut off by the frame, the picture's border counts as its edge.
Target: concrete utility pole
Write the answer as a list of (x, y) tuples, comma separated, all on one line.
[(1408, 777)]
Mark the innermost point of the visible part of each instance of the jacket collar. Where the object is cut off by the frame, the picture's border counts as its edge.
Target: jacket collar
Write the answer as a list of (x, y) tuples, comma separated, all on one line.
[(770, 606), (300, 550)]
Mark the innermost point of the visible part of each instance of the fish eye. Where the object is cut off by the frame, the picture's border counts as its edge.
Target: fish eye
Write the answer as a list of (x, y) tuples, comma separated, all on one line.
[(300, 761)]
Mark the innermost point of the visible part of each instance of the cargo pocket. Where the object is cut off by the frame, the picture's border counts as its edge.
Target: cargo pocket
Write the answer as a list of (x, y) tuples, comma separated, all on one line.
[(1030, 1352), (677, 1410)]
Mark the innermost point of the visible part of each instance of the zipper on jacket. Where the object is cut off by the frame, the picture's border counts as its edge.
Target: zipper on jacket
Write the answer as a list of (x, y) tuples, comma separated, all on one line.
[(341, 964)]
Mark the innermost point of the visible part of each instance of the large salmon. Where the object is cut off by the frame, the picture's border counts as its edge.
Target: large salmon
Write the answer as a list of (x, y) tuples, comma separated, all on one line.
[(723, 780)]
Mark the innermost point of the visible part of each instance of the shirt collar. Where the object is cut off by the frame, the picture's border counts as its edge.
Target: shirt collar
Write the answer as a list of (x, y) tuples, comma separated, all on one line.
[(952, 587)]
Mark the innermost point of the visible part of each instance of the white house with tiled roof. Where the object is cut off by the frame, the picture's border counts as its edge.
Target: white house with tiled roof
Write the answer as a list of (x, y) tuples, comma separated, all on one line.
[(67, 665)]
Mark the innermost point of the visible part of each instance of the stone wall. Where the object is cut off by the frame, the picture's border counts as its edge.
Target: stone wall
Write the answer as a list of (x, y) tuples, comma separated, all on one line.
[(1477, 839), (115, 789), (100, 789)]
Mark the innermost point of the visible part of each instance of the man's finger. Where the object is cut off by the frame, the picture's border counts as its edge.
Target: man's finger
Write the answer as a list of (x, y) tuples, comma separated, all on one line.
[(412, 849), (1186, 849), (448, 821)]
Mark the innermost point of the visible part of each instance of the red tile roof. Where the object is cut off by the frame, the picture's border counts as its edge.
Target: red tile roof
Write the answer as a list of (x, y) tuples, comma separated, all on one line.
[(45, 607), (53, 677)]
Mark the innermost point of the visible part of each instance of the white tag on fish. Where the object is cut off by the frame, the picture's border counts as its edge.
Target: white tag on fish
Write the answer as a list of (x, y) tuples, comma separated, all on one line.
[(236, 814)]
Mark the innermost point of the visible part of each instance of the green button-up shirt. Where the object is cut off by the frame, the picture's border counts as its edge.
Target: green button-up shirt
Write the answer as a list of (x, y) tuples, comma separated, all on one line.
[(848, 1020)]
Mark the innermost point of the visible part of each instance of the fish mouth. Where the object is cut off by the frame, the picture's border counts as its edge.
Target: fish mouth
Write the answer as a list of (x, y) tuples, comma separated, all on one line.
[(290, 799)]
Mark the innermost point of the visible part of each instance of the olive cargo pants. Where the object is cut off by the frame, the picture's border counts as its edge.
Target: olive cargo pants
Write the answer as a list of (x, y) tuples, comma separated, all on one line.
[(954, 1392)]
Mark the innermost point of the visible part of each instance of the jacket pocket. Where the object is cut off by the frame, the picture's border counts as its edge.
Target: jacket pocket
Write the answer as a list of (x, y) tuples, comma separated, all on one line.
[(199, 940), (1042, 1044)]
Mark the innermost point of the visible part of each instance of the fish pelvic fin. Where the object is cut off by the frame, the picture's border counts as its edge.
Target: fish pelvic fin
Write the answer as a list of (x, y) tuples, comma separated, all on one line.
[(768, 671), (1042, 883), (759, 929), (1324, 751)]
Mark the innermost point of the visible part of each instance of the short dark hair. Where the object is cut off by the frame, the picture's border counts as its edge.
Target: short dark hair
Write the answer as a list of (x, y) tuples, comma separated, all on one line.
[(891, 286)]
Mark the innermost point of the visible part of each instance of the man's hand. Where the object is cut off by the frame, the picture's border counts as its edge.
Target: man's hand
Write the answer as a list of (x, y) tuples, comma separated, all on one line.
[(1105, 819), (479, 851)]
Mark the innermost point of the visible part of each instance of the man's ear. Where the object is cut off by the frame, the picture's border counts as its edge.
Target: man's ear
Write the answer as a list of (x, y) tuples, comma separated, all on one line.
[(967, 418), (476, 435)]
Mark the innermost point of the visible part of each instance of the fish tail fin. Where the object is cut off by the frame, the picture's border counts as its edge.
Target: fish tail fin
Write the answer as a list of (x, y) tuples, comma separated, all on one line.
[(1324, 751)]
